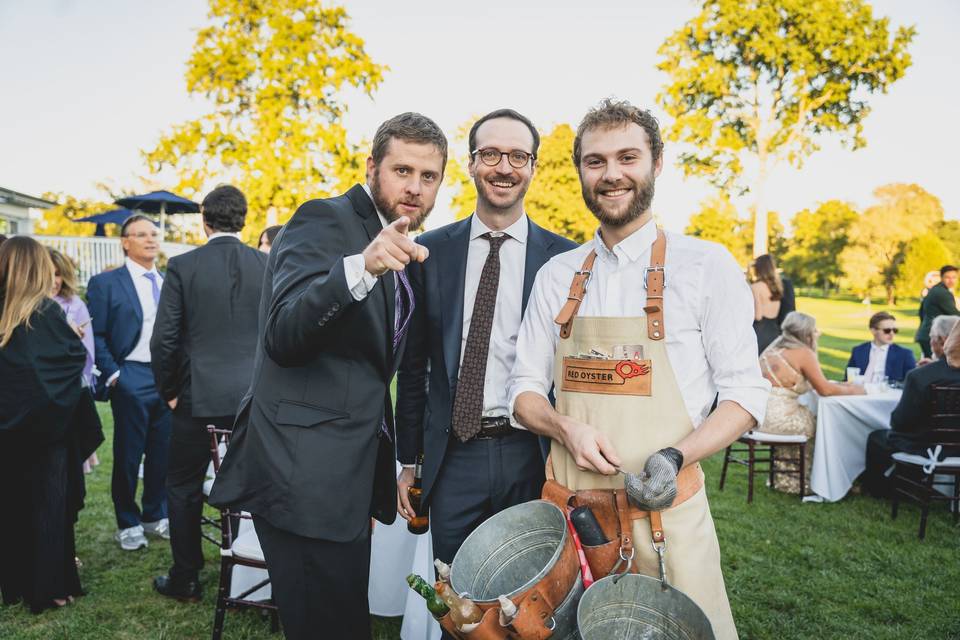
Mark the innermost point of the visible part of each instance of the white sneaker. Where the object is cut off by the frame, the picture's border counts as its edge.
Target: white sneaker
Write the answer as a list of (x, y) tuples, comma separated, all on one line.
[(160, 528), (131, 539)]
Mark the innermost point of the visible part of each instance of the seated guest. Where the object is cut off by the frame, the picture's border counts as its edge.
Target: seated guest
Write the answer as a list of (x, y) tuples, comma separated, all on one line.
[(939, 301), (910, 421), (790, 364), (45, 416), (880, 357), (939, 330)]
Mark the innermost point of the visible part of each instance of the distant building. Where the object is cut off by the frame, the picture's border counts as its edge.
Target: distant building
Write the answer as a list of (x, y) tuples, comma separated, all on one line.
[(15, 211)]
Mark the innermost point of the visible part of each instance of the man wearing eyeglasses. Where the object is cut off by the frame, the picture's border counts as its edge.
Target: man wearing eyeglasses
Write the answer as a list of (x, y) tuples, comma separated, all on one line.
[(451, 386), (123, 305), (880, 358)]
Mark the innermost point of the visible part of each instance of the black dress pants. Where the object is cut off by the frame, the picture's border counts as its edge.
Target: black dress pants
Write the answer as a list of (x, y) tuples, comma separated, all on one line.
[(187, 470), (319, 586)]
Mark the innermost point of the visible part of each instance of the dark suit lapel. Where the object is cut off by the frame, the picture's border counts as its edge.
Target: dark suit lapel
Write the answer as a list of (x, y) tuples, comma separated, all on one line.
[(538, 243), (451, 264), (126, 283), (364, 207)]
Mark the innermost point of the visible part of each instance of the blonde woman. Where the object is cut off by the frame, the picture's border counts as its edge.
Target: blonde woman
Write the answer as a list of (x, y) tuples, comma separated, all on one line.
[(790, 364), (41, 363)]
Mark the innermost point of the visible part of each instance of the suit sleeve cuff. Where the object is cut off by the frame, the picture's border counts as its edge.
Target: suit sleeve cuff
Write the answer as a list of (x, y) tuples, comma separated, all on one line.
[(116, 374)]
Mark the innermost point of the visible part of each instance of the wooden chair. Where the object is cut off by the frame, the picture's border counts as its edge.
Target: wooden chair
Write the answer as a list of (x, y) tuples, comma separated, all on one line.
[(761, 449), (210, 527), (915, 476), (236, 550)]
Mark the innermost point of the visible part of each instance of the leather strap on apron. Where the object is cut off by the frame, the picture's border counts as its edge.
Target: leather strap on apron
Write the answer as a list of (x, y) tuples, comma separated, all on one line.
[(653, 282), (578, 288)]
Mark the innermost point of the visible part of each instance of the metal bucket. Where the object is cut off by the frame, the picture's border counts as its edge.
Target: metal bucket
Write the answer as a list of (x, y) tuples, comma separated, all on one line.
[(510, 553), (638, 607)]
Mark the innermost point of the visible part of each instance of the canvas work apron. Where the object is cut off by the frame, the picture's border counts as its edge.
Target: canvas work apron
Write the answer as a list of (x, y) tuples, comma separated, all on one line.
[(638, 406)]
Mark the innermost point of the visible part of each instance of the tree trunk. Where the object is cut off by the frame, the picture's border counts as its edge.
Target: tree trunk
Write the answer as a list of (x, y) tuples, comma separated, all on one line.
[(891, 295), (760, 211)]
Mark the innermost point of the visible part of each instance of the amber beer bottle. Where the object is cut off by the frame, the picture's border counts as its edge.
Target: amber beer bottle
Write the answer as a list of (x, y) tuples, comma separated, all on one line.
[(420, 521)]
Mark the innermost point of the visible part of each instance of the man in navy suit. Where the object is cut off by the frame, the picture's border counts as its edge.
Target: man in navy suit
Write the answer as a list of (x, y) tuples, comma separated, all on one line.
[(880, 357), (451, 386), (123, 305)]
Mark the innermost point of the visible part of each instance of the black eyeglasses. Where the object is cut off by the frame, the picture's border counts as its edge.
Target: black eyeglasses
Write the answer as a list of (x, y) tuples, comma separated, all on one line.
[(491, 157), (889, 331)]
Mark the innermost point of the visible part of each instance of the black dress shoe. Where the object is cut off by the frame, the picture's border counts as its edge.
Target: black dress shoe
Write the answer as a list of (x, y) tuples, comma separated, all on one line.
[(182, 591)]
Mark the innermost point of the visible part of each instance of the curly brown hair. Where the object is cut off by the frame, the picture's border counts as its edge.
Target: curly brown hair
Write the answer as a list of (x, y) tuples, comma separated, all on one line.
[(610, 114)]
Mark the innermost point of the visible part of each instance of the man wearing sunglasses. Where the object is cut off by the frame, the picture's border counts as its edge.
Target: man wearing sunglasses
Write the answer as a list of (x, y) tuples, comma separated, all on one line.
[(881, 358), (452, 383)]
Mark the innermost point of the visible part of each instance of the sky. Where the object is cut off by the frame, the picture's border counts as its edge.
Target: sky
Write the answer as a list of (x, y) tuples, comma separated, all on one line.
[(89, 84)]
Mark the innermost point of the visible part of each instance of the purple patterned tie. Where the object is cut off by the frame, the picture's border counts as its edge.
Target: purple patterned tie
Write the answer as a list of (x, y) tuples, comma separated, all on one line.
[(401, 322), (153, 277)]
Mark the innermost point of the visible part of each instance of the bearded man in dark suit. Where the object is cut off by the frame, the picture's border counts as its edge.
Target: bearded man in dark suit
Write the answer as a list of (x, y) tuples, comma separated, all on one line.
[(313, 454)]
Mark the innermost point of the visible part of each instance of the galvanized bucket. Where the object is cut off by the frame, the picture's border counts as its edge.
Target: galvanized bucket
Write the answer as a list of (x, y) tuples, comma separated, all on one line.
[(510, 553), (638, 607)]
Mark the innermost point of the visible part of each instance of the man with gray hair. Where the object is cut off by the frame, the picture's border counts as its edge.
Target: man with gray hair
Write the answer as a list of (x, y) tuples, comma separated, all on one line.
[(939, 330)]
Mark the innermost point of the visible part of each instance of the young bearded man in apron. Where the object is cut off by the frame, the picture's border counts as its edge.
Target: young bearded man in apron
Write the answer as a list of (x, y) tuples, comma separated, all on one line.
[(639, 330)]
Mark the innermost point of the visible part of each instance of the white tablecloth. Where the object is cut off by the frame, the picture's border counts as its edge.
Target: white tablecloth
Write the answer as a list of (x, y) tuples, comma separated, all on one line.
[(395, 553), (843, 425)]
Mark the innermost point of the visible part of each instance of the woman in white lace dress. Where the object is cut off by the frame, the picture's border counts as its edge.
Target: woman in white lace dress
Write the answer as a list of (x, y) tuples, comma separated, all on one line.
[(790, 364)]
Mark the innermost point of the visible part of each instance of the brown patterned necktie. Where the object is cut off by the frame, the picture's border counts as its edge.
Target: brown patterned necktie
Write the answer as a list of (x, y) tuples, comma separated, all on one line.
[(468, 403)]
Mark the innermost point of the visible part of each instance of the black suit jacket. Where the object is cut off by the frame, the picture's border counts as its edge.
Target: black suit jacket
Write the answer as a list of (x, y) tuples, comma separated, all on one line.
[(432, 359), (307, 454), (911, 419), (205, 335)]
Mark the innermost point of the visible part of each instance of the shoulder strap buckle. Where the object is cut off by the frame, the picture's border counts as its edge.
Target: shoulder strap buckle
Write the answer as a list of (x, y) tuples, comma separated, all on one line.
[(655, 269)]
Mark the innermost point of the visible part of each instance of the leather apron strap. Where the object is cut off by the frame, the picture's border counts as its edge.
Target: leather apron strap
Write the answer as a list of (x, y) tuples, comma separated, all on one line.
[(654, 283), (578, 288)]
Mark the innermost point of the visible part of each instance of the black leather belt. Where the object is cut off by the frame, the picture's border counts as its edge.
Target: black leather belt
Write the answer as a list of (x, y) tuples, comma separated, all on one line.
[(491, 428)]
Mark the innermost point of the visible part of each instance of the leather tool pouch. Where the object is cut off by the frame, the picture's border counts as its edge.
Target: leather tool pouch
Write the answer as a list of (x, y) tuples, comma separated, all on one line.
[(613, 513)]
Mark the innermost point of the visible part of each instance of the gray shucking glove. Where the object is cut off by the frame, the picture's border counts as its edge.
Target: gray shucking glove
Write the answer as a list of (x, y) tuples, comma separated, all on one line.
[(656, 487)]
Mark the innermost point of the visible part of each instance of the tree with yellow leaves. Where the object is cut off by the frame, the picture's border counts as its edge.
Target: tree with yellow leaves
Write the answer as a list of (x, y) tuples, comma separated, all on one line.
[(276, 74)]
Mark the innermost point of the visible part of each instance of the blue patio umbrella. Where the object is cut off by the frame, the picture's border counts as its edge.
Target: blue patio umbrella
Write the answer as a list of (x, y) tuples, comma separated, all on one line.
[(162, 202), (117, 216)]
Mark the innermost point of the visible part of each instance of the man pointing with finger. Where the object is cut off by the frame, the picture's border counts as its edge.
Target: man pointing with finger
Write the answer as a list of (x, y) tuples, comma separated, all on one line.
[(313, 453), (639, 330)]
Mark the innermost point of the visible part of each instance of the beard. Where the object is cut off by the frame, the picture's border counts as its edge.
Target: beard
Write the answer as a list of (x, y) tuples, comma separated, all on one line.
[(501, 206), (391, 209), (640, 202)]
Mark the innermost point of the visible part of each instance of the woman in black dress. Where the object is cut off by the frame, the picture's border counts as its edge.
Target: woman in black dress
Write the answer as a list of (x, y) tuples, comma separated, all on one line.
[(771, 300), (46, 421)]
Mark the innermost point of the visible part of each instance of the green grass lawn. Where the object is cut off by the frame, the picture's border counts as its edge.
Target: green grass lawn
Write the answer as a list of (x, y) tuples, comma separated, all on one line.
[(793, 570)]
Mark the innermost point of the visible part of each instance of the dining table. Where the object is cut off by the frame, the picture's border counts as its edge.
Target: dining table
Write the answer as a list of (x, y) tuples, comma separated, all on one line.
[(843, 425)]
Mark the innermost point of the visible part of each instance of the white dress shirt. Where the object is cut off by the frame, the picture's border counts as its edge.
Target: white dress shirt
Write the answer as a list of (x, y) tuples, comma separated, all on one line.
[(141, 352), (223, 234), (506, 315), (708, 317), (877, 366)]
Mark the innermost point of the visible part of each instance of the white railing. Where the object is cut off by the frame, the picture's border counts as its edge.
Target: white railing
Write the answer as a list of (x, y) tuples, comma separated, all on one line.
[(94, 255)]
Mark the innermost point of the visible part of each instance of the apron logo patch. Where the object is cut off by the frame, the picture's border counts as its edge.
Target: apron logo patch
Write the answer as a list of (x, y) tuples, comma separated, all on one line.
[(597, 375)]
